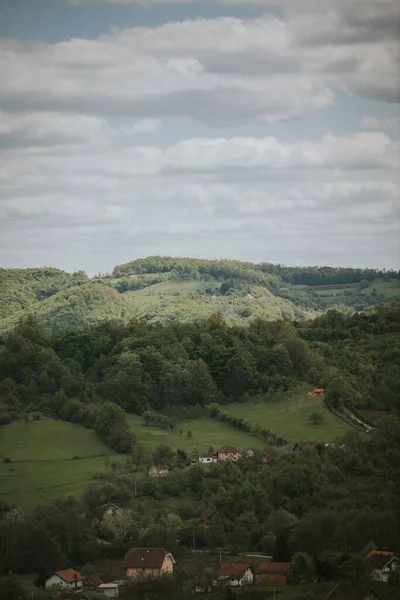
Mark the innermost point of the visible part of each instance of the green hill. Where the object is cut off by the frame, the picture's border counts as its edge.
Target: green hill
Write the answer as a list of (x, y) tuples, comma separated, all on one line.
[(163, 289)]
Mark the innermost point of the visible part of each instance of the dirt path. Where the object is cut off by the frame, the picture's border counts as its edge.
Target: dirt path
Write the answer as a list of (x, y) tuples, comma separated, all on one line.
[(356, 419)]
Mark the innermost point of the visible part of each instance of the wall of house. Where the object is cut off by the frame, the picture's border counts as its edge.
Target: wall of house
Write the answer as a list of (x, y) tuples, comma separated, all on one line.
[(228, 456), (271, 579), (168, 565), (143, 573), (56, 580)]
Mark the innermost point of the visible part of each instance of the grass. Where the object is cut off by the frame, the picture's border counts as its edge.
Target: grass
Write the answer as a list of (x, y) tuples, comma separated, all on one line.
[(287, 415), (56, 443), (205, 432)]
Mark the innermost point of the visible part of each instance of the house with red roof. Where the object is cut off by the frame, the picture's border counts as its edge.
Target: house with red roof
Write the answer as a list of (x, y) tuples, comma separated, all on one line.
[(380, 564), (68, 578), (228, 453), (148, 563), (231, 574), (273, 573)]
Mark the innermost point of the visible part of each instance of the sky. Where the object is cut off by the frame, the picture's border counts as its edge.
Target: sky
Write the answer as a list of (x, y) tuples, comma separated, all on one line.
[(261, 130)]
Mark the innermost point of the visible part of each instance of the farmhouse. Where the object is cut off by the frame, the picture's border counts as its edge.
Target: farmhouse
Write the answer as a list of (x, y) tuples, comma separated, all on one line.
[(234, 575), (207, 458), (228, 453), (110, 510), (380, 564), (148, 563), (158, 471), (69, 578), (299, 447), (273, 573)]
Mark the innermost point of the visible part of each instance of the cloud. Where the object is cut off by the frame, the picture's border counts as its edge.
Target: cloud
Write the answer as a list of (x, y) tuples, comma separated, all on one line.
[(220, 72), (381, 123)]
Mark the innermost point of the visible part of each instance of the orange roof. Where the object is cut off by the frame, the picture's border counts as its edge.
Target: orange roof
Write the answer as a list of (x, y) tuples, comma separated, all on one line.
[(70, 575), (276, 568), (379, 552), (232, 570), (319, 390)]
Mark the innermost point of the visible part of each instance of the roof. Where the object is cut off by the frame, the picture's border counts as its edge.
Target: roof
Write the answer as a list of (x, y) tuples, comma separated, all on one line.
[(232, 570), (69, 575), (319, 390), (226, 449), (301, 445), (377, 559), (207, 455), (273, 568), (160, 467), (108, 586), (145, 558)]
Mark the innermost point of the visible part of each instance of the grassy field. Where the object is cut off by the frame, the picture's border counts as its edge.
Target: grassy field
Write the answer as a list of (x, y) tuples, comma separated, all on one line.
[(205, 432), (57, 444), (287, 415)]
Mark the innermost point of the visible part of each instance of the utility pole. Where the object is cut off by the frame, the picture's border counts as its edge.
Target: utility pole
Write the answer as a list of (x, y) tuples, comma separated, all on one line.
[(274, 592), (220, 556), (194, 543)]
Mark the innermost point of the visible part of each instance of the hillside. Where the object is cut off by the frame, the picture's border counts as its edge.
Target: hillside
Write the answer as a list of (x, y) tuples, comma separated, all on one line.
[(164, 289)]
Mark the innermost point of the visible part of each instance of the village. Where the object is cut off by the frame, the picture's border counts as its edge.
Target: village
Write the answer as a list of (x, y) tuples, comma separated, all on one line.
[(144, 565)]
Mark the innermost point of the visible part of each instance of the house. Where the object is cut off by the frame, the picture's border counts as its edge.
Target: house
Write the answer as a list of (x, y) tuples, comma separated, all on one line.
[(273, 573), (91, 583), (207, 458), (380, 564), (234, 575), (111, 510), (110, 590), (299, 447), (365, 591), (318, 391), (69, 578), (158, 471), (148, 563), (228, 453)]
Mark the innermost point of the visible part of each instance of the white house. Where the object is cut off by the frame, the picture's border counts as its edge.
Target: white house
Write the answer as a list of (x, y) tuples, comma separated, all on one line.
[(381, 564), (69, 579), (110, 590), (207, 458), (234, 575), (111, 510)]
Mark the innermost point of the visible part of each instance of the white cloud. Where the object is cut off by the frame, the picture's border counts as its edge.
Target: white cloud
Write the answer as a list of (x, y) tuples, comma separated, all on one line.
[(381, 123)]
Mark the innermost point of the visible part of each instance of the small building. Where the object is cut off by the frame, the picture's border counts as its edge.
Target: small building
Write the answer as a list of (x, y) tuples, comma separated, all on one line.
[(111, 510), (158, 471), (318, 391), (380, 564), (228, 453), (91, 583), (110, 590), (69, 578), (230, 574), (207, 458), (299, 447), (148, 563), (273, 573)]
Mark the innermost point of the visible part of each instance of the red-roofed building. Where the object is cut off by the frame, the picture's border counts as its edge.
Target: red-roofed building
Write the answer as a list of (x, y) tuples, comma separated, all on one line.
[(273, 573), (148, 563), (234, 575), (69, 578), (318, 391), (207, 458), (158, 471), (381, 564)]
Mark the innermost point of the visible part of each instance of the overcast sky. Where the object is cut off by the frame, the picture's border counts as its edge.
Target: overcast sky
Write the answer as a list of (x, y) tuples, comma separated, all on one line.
[(263, 130)]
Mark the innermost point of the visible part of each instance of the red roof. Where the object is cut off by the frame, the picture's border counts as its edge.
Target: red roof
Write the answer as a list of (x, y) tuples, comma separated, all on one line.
[(70, 575), (208, 455), (228, 450), (160, 467), (232, 570), (319, 390), (145, 558), (274, 568)]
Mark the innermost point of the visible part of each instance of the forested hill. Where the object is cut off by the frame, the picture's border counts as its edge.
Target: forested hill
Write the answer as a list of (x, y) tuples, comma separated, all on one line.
[(164, 289)]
